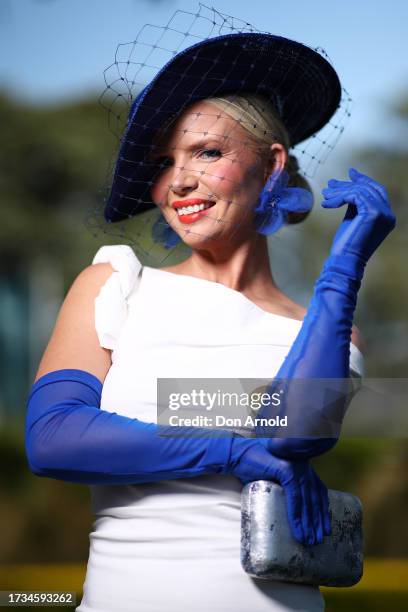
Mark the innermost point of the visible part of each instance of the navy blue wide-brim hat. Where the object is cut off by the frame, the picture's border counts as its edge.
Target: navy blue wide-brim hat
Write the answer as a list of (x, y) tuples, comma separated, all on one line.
[(300, 83)]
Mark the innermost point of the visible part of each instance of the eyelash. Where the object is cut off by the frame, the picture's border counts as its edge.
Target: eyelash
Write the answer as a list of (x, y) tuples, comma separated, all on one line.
[(166, 162), (163, 163), (211, 151)]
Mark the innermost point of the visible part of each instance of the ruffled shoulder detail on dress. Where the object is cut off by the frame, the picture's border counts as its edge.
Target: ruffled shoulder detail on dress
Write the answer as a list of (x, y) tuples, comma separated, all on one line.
[(111, 304), (357, 370), (356, 361)]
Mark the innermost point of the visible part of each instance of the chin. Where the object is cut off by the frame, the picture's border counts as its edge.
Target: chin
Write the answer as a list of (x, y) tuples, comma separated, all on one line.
[(196, 239)]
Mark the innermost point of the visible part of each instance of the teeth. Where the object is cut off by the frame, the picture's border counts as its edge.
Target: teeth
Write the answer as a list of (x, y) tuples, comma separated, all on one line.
[(187, 210)]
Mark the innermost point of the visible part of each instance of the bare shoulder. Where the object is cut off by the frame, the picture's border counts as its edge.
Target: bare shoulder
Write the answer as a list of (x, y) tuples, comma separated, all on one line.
[(357, 339), (88, 283), (74, 343)]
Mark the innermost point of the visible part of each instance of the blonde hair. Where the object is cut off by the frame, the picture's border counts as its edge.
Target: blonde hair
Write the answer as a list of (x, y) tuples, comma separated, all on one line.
[(257, 115)]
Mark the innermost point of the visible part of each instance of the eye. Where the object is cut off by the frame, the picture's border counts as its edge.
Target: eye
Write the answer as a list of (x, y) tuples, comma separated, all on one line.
[(211, 153), (161, 164)]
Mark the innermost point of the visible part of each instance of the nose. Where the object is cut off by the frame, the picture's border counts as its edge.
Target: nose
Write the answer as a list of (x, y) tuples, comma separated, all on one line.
[(184, 181)]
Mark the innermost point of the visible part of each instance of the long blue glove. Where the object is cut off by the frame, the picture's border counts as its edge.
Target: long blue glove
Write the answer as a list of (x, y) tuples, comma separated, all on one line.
[(322, 347), (70, 438)]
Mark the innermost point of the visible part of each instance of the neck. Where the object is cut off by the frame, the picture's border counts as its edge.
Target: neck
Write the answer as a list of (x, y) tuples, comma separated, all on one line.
[(244, 267)]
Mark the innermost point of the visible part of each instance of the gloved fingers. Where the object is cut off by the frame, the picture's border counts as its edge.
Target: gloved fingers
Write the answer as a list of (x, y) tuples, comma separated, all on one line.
[(288, 474), (307, 512), (318, 491), (366, 190), (365, 198), (294, 507), (358, 177), (318, 509), (378, 191), (335, 200), (334, 183), (361, 196), (324, 504), (338, 183)]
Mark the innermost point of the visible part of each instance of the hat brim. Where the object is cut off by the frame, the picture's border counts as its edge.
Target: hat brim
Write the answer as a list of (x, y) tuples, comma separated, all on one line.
[(300, 83)]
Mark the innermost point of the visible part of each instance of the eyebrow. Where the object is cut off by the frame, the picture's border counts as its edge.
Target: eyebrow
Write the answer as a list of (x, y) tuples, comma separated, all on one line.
[(195, 145)]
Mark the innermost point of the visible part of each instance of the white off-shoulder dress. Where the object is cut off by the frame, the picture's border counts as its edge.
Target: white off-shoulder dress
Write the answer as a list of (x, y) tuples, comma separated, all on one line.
[(174, 546)]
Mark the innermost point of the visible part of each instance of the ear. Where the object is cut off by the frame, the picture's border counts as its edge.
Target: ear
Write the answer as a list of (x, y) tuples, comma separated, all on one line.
[(276, 162)]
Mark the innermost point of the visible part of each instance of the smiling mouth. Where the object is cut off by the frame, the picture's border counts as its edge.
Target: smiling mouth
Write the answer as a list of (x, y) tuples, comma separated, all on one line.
[(190, 214), (187, 210)]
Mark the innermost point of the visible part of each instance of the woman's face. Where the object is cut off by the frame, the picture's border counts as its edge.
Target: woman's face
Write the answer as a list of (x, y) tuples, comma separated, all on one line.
[(210, 163)]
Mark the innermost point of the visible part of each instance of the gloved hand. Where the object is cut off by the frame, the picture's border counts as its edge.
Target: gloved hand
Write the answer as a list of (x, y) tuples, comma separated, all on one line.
[(70, 438), (322, 347), (368, 219), (306, 496)]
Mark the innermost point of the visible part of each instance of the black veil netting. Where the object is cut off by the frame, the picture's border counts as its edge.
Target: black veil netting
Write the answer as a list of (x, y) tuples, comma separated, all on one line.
[(140, 224)]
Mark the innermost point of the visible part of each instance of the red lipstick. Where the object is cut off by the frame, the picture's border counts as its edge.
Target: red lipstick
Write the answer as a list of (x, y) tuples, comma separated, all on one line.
[(194, 216)]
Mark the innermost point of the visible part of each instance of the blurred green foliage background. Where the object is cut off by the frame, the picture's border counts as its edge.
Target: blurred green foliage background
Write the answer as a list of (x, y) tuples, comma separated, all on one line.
[(54, 164)]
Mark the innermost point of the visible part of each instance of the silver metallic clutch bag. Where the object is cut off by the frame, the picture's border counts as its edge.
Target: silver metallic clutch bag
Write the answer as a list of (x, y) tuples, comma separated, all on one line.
[(268, 550)]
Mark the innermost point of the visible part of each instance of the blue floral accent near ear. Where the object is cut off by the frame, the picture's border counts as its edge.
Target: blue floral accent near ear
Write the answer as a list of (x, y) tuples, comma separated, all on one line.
[(164, 234), (276, 201)]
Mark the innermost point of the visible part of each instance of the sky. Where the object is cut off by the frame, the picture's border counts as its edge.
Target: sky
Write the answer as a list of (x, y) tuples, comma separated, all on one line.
[(56, 50)]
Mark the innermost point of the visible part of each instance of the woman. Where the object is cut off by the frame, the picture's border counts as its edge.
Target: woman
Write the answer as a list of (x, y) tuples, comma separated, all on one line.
[(167, 509)]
